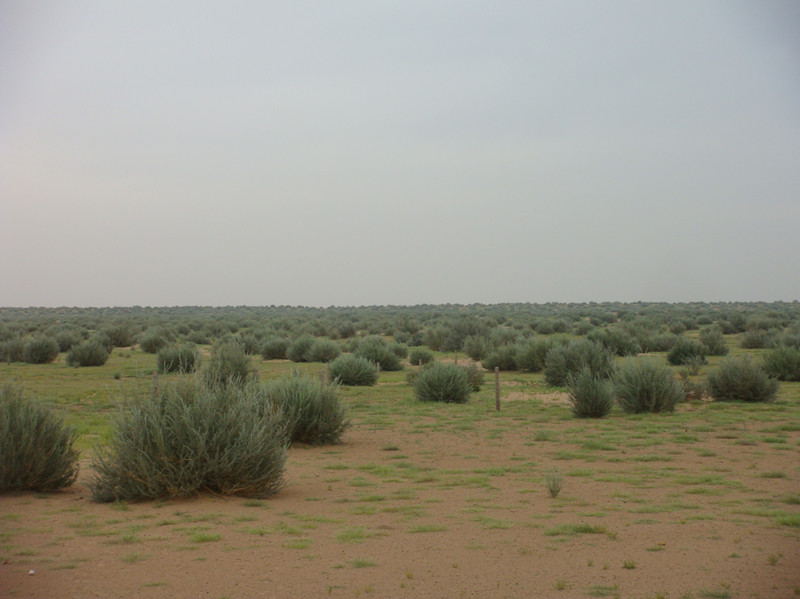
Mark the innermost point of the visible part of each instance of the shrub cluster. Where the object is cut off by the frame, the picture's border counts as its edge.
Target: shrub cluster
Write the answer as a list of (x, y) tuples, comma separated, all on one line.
[(579, 354), (645, 385), (323, 350), (378, 351), (299, 348), (190, 438), (89, 353), (420, 354), (741, 379), (783, 363), (713, 342), (352, 370), (274, 348), (178, 358), (590, 395), (685, 351), (443, 382), (229, 364), (40, 350), (36, 449)]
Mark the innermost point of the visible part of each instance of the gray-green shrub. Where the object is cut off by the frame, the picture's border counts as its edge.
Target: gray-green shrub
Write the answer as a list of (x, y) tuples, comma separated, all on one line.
[(590, 396), (420, 354), (757, 339), (312, 410), (476, 347), (713, 341), (474, 376), (36, 449), (323, 350), (741, 379), (229, 364), (12, 350), (377, 350), (191, 438), (89, 353), (503, 357), (442, 382), (40, 350), (274, 348), (299, 348), (646, 385), (783, 363), (562, 360), (686, 350), (178, 358), (153, 340), (354, 371), (530, 354)]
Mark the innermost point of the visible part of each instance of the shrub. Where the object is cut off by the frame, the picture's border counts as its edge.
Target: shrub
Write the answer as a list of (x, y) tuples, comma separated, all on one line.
[(352, 370), (323, 350), (741, 379), (590, 395), (420, 354), (645, 385), (474, 376), (312, 410), (377, 350), (442, 382), (299, 348), (229, 364), (562, 360), (198, 338), (399, 349), (40, 350), (685, 351), (476, 347), (12, 350), (67, 338), (783, 363), (660, 342), (713, 341), (757, 339), (121, 334), (503, 357), (531, 353), (192, 438), (153, 340), (88, 353), (617, 340), (36, 449), (274, 348), (178, 358)]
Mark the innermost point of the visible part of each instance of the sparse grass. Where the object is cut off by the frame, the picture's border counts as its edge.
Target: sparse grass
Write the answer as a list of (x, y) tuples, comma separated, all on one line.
[(205, 537), (554, 481), (575, 529), (420, 528)]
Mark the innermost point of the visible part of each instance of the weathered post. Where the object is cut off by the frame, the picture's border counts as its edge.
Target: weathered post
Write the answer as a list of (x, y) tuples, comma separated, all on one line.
[(497, 387)]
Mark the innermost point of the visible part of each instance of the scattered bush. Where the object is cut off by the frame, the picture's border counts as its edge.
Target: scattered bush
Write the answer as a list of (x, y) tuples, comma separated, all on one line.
[(645, 385), (88, 353), (299, 348), (12, 350), (530, 354), (757, 339), (67, 338), (153, 340), (323, 350), (352, 370), (420, 354), (191, 438), (399, 349), (229, 364), (312, 410), (377, 350), (590, 395), (178, 358), (442, 382), (503, 357), (274, 348), (474, 376), (562, 360), (783, 363), (659, 342), (713, 341), (686, 350), (36, 449), (476, 347), (121, 334), (741, 379), (616, 340), (40, 350)]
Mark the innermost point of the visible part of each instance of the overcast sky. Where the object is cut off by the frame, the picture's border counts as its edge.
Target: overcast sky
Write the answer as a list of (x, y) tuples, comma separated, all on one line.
[(378, 152)]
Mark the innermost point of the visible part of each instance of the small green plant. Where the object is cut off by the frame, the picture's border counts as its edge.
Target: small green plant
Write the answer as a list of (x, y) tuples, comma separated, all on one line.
[(685, 351), (442, 382), (645, 385), (590, 396), (553, 481), (40, 350), (178, 358), (36, 449), (312, 410), (629, 564), (88, 353), (352, 370), (741, 379), (420, 355), (783, 363)]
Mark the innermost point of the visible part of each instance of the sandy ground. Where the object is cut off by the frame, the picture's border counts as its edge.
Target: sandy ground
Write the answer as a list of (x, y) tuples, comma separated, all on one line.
[(395, 513)]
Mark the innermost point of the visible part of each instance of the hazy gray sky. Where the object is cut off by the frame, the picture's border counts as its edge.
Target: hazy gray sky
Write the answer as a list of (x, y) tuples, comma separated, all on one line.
[(379, 152)]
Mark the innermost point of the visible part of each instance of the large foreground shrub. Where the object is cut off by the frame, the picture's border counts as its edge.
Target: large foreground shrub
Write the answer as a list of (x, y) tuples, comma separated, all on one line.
[(40, 350), (590, 395), (741, 379), (312, 410), (191, 438), (783, 363), (579, 354), (178, 358), (352, 370), (645, 385), (89, 353), (36, 449), (443, 382)]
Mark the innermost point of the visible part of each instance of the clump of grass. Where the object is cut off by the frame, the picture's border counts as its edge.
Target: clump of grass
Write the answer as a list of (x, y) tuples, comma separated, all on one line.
[(741, 379), (644, 385), (36, 449), (590, 396), (312, 410), (442, 382), (577, 355), (230, 364), (553, 481), (178, 358), (352, 370), (189, 438), (685, 351), (378, 351)]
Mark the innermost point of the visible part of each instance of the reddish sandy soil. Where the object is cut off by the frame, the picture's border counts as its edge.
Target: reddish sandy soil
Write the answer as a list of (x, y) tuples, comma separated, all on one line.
[(395, 513)]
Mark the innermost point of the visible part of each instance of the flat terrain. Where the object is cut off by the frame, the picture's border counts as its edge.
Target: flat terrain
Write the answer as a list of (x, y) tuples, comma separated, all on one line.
[(441, 501)]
